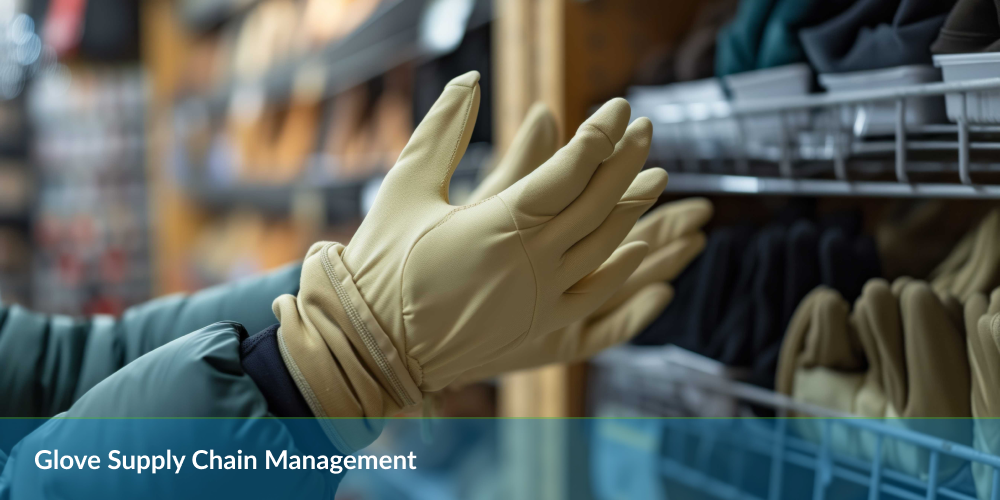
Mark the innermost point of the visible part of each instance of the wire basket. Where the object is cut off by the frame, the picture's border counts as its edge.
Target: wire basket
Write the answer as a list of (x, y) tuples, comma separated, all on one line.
[(678, 425), (811, 148)]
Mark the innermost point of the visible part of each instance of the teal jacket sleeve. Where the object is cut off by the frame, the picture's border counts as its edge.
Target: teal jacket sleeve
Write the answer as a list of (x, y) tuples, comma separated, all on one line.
[(190, 394), (47, 362)]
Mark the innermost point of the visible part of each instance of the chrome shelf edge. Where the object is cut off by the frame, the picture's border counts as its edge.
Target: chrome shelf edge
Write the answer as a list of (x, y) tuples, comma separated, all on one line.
[(750, 185)]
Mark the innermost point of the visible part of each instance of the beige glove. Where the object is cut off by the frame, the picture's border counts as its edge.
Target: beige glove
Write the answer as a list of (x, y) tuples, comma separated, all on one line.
[(672, 231), (974, 265), (426, 291), (982, 323), (900, 353)]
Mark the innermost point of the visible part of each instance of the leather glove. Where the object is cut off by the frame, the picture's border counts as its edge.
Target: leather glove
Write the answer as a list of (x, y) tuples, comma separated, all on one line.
[(426, 291), (900, 353), (982, 324), (672, 231), (974, 265)]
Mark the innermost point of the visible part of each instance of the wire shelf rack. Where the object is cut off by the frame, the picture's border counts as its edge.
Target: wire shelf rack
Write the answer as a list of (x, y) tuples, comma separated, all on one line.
[(811, 145), (739, 454)]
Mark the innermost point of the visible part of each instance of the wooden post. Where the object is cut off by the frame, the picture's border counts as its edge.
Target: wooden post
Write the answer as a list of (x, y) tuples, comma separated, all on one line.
[(572, 55)]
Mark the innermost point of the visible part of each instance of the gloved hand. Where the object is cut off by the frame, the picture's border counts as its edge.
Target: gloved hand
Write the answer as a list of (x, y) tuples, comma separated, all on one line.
[(672, 231), (426, 291), (982, 324), (900, 353)]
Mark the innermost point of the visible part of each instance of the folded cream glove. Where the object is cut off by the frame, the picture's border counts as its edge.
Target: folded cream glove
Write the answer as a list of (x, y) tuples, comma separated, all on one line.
[(672, 231), (900, 353), (973, 266), (982, 324), (426, 291)]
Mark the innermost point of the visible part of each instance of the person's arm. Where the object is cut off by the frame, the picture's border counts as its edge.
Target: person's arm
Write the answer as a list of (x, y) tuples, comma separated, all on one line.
[(201, 391), (48, 361)]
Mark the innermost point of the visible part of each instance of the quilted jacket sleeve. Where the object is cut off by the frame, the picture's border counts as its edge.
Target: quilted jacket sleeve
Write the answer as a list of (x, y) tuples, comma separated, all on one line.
[(47, 362), (189, 394)]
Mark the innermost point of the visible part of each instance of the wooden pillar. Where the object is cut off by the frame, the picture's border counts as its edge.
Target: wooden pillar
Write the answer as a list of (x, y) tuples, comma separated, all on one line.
[(175, 219)]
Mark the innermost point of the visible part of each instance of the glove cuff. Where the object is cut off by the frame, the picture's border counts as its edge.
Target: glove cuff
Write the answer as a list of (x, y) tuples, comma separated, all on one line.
[(341, 359)]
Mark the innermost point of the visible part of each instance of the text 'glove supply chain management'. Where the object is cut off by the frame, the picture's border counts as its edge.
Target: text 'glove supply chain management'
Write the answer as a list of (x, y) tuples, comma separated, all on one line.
[(207, 459)]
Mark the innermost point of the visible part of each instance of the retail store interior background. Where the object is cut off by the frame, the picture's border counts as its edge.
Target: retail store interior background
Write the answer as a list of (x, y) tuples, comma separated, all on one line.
[(851, 150)]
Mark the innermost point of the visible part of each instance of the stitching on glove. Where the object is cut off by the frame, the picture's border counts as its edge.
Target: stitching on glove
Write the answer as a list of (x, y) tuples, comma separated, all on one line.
[(534, 275), (448, 216), (307, 393), (454, 152), (361, 328)]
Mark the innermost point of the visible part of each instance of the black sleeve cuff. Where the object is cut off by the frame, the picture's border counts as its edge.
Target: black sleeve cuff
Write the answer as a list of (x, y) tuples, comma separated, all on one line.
[(262, 361)]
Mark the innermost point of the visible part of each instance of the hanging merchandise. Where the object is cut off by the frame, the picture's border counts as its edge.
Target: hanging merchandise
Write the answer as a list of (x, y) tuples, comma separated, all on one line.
[(982, 324), (779, 44), (324, 21), (268, 35), (874, 34), (392, 116), (735, 301), (764, 33), (972, 26), (91, 228), (900, 353), (296, 139), (974, 265), (102, 30), (693, 58), (703, 290), (111, 30), (928, 225), (739, 41)]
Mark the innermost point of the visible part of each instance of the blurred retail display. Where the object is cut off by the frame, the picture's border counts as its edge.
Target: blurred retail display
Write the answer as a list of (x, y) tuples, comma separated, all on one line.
[(22, 58), (91, 226), (299, 108)]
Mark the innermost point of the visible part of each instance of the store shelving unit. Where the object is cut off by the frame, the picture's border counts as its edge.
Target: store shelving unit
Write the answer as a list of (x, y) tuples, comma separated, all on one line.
[(16, 207), (398, 32), (825, 159), (395, 34), (204, 15), (342, 200), (794, 147), (727, 457)]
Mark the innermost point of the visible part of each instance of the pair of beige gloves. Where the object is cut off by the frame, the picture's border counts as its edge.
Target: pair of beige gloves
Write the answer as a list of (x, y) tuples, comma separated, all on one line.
[(910, 349), (900, 353), (546, 265)]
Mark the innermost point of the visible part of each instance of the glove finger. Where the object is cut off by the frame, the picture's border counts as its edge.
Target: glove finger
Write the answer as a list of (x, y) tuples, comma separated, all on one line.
[(553, 186), (818, 336), (670, 221), (623, 323), (660, 265), (536, 141), (580, 340), (982, 353), (989, 332), (423, 170), (994, 306), (610, 181), (587, 294), (595, 248), (978, 273), (880, 331), (937, 362)]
